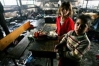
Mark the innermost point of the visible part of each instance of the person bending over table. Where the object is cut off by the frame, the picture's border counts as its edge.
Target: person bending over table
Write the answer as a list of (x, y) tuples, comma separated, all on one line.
[(3, 23)]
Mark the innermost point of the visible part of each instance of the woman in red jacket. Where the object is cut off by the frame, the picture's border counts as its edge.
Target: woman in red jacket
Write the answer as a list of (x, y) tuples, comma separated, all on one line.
[(64, 22)]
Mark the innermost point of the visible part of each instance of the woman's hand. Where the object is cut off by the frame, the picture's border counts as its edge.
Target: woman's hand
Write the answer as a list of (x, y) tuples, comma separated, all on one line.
[(56, 49)]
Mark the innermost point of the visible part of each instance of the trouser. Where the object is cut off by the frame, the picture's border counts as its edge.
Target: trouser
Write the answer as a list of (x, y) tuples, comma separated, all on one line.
[(1, 34), (3, 25)]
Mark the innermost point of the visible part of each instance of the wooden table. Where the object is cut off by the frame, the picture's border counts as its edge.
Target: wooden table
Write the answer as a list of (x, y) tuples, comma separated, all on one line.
[(44, 48)]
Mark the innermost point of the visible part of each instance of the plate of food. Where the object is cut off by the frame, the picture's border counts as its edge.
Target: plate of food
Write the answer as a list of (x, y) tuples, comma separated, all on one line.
[(52, 35), (40, 35)]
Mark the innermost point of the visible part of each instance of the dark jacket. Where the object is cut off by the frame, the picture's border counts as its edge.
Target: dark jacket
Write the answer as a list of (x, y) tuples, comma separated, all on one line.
[(1, 8)]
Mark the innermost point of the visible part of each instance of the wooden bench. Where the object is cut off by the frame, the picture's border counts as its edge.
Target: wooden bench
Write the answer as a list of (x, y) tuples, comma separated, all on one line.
[(19, 49)]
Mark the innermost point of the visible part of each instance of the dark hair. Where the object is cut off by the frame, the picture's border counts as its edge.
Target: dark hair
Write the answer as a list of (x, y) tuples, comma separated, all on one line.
[(85, 19), (66, 5)]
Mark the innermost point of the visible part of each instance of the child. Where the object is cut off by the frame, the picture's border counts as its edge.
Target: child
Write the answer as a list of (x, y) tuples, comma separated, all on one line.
[(64, 22), (76, 43)]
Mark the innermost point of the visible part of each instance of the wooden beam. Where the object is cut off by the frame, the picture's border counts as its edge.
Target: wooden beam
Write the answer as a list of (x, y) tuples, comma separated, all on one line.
[(7, 40)]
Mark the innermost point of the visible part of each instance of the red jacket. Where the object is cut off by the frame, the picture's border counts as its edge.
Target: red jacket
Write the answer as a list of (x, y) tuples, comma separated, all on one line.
[(67, 26)]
